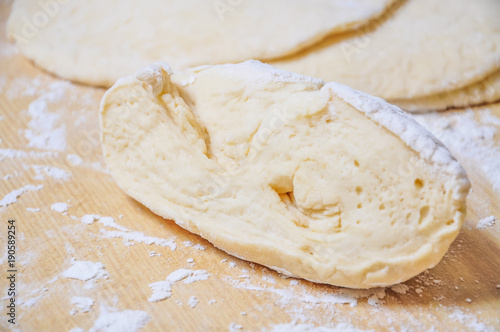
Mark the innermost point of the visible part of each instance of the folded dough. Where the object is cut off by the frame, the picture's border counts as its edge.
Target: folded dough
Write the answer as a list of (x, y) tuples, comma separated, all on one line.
[(312, 179), (422, 48), (98, 41)]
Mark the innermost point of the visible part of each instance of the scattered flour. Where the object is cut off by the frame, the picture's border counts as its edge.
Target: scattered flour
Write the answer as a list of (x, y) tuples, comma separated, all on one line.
[(82, 304), (486, 222), (77, 329), (110, 222), (45, 130), (233, 327), (36, 295), (74, 160), (86, 271), (12, 197), (130, 238), (188, 276), (51, 171), (163, 289), (11, 154), (60, 207), (199, 247), (231, 264), (193, 302), (288, 295), (153, 253), (190, 260), (89, 218), (111, 320), (470, 321), (294, 327), (33, 209)]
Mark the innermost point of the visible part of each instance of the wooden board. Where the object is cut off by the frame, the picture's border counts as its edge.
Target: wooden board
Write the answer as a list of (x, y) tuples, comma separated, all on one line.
[(48, 122)]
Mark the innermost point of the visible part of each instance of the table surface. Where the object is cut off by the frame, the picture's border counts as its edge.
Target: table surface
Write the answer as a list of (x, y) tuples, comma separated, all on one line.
[(50, 150)]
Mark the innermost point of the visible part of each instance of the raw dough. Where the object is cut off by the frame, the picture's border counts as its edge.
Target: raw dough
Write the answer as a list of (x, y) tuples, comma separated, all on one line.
[(98, 41), (483, 92), (309, 178), (425, 47)]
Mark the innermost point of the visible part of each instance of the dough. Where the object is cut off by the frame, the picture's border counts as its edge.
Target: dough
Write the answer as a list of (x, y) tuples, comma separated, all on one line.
[(425, 47), (485, 91), (312, 179), (98, 41)]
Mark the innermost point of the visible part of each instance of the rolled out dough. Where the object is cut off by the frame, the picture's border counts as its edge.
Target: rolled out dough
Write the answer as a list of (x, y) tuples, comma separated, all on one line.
[(421, 48), (482, 92), (98, 41)]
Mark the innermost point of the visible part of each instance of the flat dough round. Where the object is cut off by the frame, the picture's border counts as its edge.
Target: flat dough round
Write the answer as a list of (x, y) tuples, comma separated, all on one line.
[(98, 41), (484, 92), (282, 170), (425, 47)]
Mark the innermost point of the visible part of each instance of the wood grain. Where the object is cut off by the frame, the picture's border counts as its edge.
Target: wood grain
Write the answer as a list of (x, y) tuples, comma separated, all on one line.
[(248, 295)]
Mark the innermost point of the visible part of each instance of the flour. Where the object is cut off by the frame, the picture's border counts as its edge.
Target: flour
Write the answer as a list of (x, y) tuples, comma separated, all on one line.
[(486, 222), (86, 271), (153, 253), (77, 329), (289, 295), (199, 247), (12, 197), (12, 153), (89, 218), (24, 86), (130, 238), (111, 320), (471, 140), (74, 160), (33, 209), (110, 222), (470, 321), (233, 327), (82, 304), (294, 327), (60, 207), (163, 289), (45, 130), (193, 302), (51, 171), (268, 278)]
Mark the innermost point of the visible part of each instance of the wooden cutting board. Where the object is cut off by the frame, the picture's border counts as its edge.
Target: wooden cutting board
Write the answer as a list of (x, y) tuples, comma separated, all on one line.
[(50, 137)]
